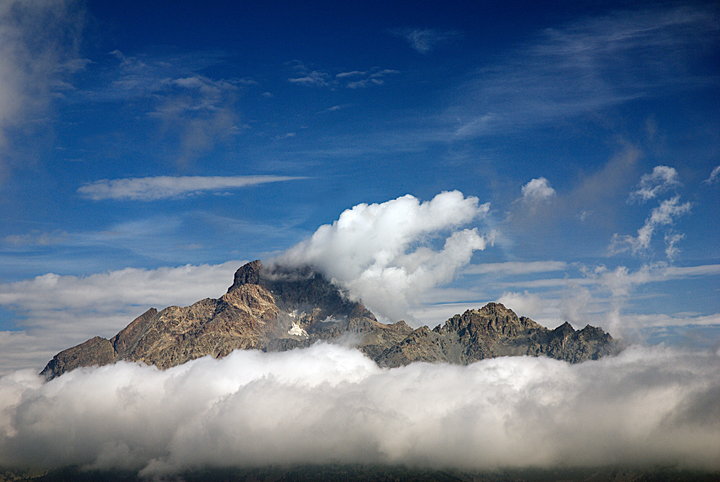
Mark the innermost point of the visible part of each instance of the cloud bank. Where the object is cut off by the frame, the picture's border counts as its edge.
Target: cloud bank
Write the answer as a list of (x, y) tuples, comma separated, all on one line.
[(165, 187), (330, 404), (57, 312), (379, 252)]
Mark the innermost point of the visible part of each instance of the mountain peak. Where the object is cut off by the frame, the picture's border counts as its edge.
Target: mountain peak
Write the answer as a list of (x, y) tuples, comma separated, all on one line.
[(247, 274), (278, 308)]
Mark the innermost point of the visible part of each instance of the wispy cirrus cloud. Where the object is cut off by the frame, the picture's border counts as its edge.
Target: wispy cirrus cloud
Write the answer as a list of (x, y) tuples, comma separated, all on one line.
[(552, 292), (663, 215), (714, 176), (314, 78), (516, 267), (38, 52), (352, 79), (661, 179), (426, 40), (358, 80), (193, 111), (588, 66), (166, 187)]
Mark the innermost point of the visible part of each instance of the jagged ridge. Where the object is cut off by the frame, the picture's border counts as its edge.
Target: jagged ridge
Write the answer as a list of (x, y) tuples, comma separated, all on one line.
[(279, 309)]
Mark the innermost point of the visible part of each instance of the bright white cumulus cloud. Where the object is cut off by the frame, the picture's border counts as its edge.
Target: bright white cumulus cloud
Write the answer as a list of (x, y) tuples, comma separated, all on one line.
[(331, 404), (537, 190), (164, 187), (378, 251)]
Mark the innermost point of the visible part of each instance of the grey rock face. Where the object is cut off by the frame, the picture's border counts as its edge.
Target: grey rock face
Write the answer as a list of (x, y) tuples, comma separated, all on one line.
[(276, 309), (494, 331)]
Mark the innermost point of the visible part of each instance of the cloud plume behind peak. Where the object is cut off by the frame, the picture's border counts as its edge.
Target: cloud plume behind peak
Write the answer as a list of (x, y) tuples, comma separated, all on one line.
[(380, 251)]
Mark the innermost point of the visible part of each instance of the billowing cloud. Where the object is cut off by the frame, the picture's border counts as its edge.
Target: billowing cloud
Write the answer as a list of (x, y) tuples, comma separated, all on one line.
[(651, 185), (372, 249), (425, 40), (537, 190), (164, 187), (330, 404)]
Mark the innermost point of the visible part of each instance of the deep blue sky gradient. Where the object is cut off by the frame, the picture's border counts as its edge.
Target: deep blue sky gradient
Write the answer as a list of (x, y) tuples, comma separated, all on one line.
[(589, 96)]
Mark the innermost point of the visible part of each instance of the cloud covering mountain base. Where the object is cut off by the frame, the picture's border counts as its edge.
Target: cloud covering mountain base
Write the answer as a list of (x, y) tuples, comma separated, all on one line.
[(330, 404)]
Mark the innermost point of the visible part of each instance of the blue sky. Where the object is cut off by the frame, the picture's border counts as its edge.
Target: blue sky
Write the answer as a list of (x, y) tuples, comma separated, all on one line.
[(147, 149)]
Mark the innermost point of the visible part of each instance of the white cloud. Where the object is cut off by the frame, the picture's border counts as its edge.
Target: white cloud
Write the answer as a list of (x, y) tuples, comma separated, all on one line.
[(530, 305), (714, 176), (671, 240), (662, 215), (38, 41), (588, 66), (164, 187), (581, 294), (651, 185), (354, 73), (329, 404), (651, 273), (196, 111), (425, 40), (61, 311), (314, 78), (372, 77), (353, 79), (368, 249), (537, 190), (516, 267), (687, 271)]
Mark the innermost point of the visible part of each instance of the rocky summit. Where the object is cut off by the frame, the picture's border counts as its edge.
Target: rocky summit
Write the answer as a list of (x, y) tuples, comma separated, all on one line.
[(277, 309)]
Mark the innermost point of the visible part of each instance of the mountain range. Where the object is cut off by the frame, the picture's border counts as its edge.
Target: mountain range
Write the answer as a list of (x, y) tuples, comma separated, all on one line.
[(276, 308)]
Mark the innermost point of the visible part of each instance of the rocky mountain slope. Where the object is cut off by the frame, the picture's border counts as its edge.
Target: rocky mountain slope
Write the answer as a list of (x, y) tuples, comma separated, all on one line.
[(279, 309)]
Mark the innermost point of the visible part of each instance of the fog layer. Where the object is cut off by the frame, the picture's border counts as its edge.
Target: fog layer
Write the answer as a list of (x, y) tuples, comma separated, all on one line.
[(329, 403)]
